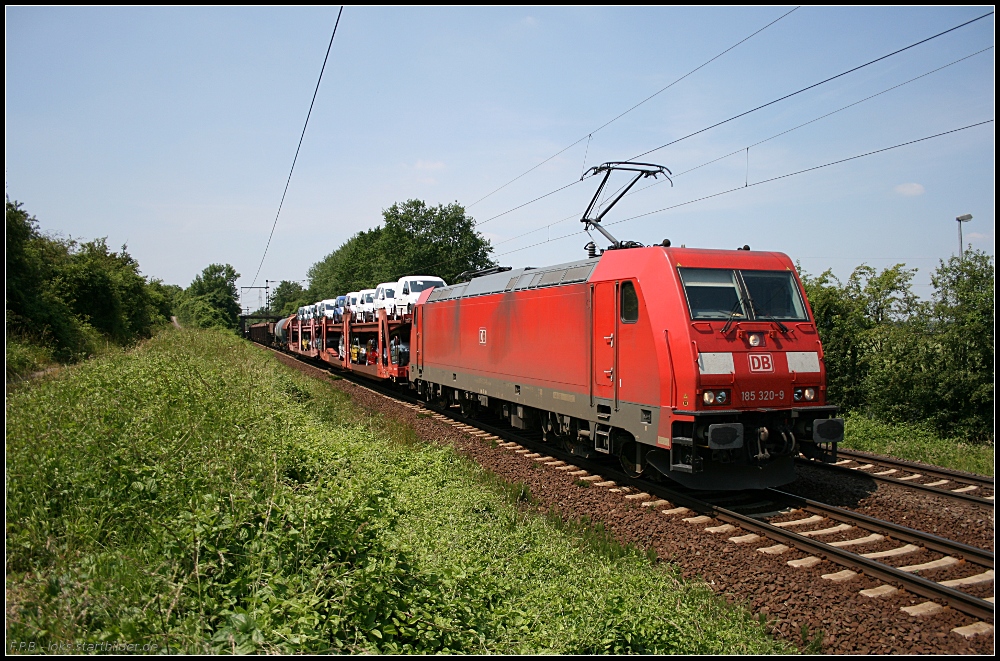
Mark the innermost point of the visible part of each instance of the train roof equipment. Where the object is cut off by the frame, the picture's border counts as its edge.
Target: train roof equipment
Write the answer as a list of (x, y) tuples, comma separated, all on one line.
[(642, 171)]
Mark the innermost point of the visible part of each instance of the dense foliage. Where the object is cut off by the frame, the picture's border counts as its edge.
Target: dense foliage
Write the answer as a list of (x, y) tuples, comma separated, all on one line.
[(195, 495), (211, 301), (286, 296), (897, 358), (66, 298), (415, 239)]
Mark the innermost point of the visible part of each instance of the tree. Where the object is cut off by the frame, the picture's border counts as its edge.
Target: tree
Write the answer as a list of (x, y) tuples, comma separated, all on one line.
[(442, 241), (286, 292), (211, 301), (414, 240), (69, 296), (109, 293), (896, 358), (963, 321)]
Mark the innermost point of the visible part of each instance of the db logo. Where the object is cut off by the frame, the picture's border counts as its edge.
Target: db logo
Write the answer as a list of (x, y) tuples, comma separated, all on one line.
[(482, 336), (761, 362)]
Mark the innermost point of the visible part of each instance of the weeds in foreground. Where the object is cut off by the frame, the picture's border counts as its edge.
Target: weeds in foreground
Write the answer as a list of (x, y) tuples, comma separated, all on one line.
[(917, 443), (195, 494)]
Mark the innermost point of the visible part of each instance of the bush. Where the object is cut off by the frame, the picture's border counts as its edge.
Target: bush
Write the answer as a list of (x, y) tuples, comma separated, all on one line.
[(24, 357), (895, 358), (71, 296)]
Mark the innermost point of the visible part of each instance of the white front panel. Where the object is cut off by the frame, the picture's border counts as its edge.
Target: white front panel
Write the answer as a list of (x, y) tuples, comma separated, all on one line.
[(716, 363), (803, 361)]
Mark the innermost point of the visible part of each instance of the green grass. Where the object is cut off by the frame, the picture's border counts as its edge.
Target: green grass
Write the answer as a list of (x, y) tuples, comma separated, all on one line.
[(195, 494), (25, 357), (916, 443)]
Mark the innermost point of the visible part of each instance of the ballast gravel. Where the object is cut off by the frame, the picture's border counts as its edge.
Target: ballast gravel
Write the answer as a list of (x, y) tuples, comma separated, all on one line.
[(797, 603), (966, 522)]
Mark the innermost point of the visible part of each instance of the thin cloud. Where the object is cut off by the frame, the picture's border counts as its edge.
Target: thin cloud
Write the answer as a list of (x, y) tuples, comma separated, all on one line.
[(910, 190), (429, 165)]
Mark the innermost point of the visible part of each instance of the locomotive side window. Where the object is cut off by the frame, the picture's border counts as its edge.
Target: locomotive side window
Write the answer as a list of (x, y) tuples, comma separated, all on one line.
[(713, 293), (629, 303), (774, 295)]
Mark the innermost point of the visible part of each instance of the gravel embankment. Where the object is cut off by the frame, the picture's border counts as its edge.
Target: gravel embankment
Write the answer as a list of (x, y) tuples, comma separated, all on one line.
[(969, 523)]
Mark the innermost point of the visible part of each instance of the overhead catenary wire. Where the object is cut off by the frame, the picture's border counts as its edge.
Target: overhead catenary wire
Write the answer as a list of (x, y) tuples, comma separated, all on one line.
[(758, 183), (760, 142), (299, 147), (814, 85), (747, 112), (616, 118)]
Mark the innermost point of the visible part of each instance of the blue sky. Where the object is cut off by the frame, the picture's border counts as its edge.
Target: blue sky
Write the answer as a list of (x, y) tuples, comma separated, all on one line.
[(172, 130)]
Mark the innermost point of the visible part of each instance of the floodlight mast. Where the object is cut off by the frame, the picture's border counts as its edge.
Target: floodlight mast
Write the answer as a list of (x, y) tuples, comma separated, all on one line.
[(642, 171)]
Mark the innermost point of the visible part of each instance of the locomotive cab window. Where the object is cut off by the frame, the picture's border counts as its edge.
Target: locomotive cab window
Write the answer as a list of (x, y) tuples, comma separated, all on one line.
[(629, 303), (713, 293), (774, 295)]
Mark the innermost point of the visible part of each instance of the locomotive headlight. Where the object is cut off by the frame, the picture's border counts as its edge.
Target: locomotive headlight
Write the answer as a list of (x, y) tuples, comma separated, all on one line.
[(708, 397), (721, 397), (797, 394), (754, 340), (809, 394)]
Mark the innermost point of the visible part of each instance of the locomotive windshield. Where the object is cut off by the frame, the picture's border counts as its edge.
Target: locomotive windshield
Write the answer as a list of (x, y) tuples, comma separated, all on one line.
[(713, 294), (774, 295), (728, 294)]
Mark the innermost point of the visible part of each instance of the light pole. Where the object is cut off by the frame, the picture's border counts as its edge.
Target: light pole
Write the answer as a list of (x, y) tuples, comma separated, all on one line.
[(962, 219)]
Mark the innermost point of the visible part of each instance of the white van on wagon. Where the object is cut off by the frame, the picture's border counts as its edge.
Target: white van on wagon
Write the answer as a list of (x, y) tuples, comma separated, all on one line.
[(385, 297), (408, 290), (366, 303), (352, 303), (328, 308)]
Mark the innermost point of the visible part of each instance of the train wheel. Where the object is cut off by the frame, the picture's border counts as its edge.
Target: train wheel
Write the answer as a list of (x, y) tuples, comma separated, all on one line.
[(468, 408), (627, 457)]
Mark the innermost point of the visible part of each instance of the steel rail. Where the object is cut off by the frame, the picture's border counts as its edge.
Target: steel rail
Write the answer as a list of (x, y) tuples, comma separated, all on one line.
[(960, 601), (892, 480), (913, 583), (913, 466), (974, 554), (919, 585)]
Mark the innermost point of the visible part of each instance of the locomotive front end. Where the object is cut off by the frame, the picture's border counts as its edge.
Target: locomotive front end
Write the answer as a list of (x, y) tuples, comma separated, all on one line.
[(756, 395)]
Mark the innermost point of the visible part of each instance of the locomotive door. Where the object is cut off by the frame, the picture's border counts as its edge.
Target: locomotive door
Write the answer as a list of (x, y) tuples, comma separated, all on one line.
[(605, 340)]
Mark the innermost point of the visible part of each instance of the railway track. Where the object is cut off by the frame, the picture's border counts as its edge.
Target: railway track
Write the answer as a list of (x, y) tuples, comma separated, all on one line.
[(791, 522), (952, 484)]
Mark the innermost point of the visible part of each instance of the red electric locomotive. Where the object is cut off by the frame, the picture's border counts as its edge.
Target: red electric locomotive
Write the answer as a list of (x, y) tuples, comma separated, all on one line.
[(704, 365)]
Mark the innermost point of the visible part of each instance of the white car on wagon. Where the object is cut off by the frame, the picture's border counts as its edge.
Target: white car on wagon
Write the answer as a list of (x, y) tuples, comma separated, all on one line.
[(408, 290), (385, 297), (352, 303), (366, 303)]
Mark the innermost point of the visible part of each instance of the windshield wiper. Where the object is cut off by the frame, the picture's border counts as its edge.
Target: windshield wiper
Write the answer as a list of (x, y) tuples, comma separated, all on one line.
[(781, 326), (732, 315)]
